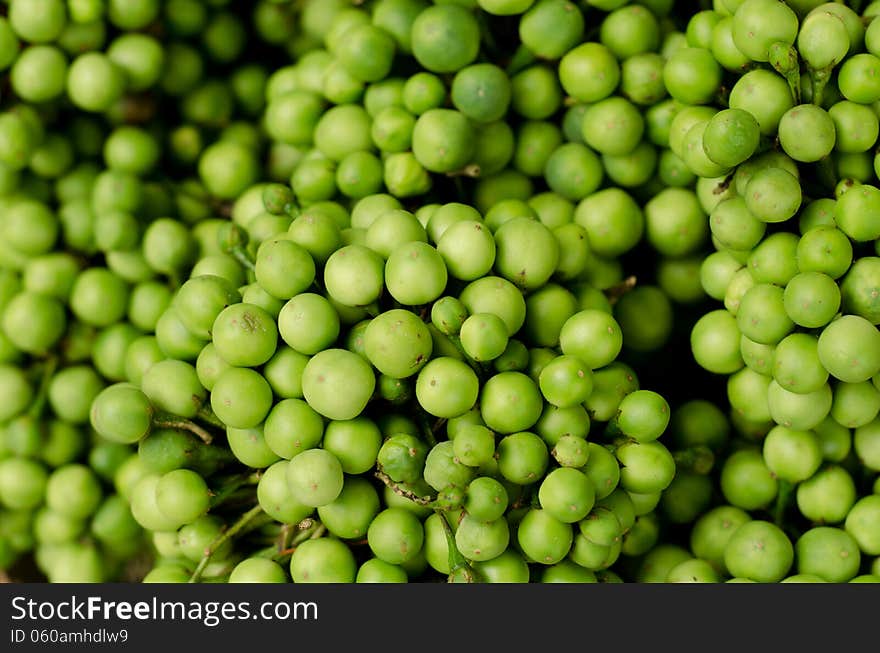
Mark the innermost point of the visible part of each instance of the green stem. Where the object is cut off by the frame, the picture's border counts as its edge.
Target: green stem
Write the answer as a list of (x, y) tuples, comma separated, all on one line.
[(482, 372), (612, 430), (265, 552), (427, 431), (784, 59), (312, 531), (486, 36), (174, 422), (318, 286), (284, 538), (403, 492), (39, 403), (225, 491), (255, 527), (521, 59), (819, 79), (373, 309), (459, 567), (207, 415), (765, 144), (268, 533), (228, 534), (241, 255), (793, 77), (782, 499)]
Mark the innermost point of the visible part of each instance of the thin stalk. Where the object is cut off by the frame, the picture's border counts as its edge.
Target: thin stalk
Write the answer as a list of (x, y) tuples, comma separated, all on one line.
[(476, 366), (403, 492), (225, 491), (486, 36), (313, 531), (616, 292), (226, 535), (784, 59), (471, 170), (283, 539), (39, 403), (819, 80), (782, 499), (207, 415), (427, 431), (521, 59), (173, 422), (459, 568), (241, 255)]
